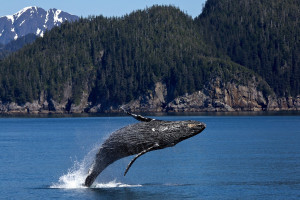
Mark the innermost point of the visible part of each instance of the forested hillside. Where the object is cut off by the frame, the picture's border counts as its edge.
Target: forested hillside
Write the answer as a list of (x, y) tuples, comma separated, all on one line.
[(117, 58), (15, 45), (113, 61), (263, 35)]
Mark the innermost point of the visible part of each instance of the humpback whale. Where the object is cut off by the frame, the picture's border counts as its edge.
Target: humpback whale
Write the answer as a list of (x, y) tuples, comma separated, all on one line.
[(139, 138)]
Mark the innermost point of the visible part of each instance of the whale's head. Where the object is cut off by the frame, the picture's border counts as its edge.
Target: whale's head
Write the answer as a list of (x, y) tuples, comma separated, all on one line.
[(177, 131), (189, 129)]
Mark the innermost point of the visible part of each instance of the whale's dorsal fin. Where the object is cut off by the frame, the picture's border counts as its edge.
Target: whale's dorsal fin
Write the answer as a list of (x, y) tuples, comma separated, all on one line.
[(138, 117), (155, 146)]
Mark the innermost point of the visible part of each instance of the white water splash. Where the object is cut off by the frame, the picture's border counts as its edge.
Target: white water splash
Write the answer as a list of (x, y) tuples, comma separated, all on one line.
[(114, 184), (75, 177)]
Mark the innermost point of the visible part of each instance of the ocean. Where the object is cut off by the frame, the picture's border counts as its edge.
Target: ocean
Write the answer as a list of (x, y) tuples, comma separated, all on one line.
[(235, 157)]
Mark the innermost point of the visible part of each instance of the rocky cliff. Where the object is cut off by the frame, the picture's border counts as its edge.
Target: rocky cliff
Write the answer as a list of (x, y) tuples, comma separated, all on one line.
[(216, 96)]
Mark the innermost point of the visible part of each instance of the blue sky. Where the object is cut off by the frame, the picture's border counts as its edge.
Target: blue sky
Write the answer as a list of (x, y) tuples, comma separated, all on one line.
[(96, 7)]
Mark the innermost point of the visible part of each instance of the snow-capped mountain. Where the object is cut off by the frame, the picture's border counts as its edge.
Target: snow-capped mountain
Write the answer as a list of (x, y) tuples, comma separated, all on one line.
[(31, 20)]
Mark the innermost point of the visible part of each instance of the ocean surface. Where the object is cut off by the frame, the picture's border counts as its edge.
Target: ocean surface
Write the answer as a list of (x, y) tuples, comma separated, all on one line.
[(235, 157)]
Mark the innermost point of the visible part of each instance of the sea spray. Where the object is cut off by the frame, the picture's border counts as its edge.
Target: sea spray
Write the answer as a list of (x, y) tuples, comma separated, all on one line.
[(76, 175), (113, 184)]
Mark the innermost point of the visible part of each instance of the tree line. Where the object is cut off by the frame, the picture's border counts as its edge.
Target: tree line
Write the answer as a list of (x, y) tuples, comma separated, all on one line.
[(263, 36), (116, 59)]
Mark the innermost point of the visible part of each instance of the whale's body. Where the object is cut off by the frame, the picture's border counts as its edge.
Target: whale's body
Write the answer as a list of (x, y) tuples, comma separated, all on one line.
[(140, 138)]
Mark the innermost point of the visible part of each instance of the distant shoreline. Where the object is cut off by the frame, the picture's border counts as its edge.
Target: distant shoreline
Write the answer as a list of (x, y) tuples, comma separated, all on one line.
[(121, 114)]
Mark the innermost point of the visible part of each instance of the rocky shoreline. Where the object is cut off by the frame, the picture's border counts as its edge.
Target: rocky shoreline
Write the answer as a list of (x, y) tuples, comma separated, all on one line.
[(216, 96)]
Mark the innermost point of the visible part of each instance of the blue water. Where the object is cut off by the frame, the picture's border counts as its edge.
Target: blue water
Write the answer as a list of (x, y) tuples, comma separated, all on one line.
[(235, 157)]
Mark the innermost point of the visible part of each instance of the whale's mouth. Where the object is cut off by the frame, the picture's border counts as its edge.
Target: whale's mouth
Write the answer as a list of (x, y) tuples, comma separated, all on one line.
[(197, 127)]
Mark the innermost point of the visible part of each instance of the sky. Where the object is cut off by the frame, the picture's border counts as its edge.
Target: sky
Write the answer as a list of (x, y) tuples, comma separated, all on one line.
[(107, 8)]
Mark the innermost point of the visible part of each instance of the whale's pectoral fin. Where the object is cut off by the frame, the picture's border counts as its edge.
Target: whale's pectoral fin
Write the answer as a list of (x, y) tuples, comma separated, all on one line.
[(139, 117), (140, 154)]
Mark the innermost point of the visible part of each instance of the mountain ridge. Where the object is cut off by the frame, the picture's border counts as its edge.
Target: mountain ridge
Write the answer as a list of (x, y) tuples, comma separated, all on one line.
[(31, 19), (17, 44)]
